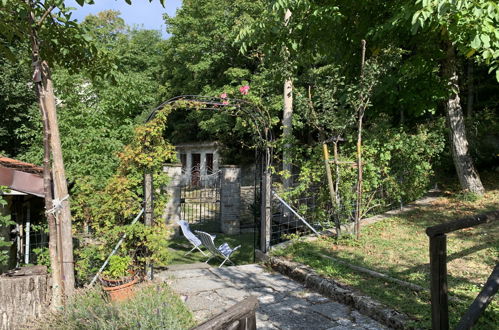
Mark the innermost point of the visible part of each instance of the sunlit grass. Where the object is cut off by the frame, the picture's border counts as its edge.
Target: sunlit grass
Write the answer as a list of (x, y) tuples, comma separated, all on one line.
[(398, 246)]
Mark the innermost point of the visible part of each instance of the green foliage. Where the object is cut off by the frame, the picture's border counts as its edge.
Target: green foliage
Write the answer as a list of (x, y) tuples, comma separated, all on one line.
[(467, 196), (17, 102), (471, 25), (152, 307), (119, 267), (108, 211), (4, 222), (42, 257), (398, 167)]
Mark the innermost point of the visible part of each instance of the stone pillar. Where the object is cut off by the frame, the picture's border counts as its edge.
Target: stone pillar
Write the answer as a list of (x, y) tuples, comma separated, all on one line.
[(188, 170), (172, 209), (230, 199)]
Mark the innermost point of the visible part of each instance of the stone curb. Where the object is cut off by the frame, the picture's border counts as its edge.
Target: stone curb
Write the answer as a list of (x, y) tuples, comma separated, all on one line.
[(339, 292)]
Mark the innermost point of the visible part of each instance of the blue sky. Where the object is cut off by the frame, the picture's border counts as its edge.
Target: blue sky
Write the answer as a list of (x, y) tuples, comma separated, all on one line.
[(141, 13)]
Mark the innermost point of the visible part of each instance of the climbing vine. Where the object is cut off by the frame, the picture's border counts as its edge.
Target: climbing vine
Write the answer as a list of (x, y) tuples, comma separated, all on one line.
[(108, 212)]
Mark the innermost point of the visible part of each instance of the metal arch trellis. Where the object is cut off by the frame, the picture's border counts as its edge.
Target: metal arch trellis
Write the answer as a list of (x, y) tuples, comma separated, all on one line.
[(262, 123), (261, 118)]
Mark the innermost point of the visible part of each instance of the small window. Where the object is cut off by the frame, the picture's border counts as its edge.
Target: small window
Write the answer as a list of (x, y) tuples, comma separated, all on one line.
[(183, 160), (209, 163)]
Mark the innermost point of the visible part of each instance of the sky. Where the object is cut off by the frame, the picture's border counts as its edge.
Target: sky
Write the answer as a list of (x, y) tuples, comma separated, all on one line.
[(141, 13)]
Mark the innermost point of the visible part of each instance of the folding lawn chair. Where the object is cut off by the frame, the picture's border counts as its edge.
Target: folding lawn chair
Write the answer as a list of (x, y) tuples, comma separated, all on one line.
[(190, 236), (223, 251)]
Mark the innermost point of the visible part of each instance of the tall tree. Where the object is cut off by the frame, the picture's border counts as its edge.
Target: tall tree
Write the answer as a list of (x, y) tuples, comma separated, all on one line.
[(64, 43), (470, 27)]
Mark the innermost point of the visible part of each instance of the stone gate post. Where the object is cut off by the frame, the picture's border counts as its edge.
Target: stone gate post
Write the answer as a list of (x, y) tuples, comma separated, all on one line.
[(172, 209), (230, 199)]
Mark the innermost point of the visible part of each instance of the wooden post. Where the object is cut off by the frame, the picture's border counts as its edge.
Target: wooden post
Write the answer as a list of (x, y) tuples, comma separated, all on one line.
[(148, 213), (481, 301), (287, 120), (148, 199), (332, 193), (60, 185), (438, 269), (54, 235), (361, 110), (266, 203), (266, 210)]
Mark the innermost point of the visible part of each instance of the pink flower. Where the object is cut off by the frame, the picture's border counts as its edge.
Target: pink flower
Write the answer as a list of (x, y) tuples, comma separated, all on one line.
[(223, 95), (225, 102), (244, 89)]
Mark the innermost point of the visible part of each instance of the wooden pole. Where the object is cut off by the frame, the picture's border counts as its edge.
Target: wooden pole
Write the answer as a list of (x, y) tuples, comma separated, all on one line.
[(148, 199), (481, 301), (54, 248), (287, 120), (148, 214), (266, 204), (60, 185), (45, 91), (332, 193), (359, 147)]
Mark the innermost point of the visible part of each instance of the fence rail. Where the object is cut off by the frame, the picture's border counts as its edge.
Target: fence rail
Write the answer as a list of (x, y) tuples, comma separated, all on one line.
[(241, 316), (438, 268)]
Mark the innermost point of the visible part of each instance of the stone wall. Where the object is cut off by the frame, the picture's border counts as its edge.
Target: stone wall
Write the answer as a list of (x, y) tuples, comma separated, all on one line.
[(172, 210), (230, 199), (248, 206), (23, 298)]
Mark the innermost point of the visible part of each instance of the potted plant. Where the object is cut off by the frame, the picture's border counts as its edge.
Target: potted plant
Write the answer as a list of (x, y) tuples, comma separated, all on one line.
[(119, 278)]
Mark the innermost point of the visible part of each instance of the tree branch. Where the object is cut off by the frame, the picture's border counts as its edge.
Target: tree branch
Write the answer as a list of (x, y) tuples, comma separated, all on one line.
[(44, 16)]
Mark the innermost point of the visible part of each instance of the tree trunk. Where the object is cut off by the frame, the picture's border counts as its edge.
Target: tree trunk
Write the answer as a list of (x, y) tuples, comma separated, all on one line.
[(57, 288), (287, 123), (54, 235), (361, 110), (60, 185), (468, 176)]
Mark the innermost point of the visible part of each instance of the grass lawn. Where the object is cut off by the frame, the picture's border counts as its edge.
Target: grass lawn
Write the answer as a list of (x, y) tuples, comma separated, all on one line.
[(180, 246), (398, 247)]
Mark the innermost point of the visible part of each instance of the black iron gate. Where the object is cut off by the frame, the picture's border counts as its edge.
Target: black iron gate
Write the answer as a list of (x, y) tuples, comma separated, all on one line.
[(200, 201)]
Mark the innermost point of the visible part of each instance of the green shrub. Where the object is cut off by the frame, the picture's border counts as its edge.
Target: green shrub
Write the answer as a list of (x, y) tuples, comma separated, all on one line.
[(4, 244), (154, 306), (397, 167)]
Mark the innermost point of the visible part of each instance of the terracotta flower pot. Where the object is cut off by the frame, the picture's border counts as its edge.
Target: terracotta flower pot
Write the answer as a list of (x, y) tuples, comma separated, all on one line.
[(119, 290)]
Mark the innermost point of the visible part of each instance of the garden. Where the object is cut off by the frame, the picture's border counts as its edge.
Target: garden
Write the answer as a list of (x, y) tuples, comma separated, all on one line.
[(343, 110)]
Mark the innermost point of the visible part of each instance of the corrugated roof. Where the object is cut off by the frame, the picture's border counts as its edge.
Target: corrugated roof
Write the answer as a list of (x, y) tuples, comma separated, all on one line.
[(21, 166)]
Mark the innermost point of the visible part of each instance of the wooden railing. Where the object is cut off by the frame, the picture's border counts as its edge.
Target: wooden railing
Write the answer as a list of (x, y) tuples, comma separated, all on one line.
[(438, 269), (241, 316)]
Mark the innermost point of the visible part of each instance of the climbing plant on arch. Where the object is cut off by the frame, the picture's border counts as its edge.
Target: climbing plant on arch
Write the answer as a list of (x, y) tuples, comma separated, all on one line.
[(123, 196), (259, 120)]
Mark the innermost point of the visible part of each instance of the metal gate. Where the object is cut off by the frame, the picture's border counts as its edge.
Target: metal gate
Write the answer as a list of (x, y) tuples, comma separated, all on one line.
[(200, 201)]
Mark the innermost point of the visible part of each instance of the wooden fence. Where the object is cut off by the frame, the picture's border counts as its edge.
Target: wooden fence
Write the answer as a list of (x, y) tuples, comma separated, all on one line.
[(438, 269), (241, 316)]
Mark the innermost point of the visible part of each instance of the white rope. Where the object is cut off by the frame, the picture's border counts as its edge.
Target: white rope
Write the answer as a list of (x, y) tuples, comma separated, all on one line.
[(57, 205)]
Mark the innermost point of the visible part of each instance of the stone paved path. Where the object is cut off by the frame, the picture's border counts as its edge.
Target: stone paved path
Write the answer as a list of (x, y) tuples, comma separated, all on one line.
[(284, 303)]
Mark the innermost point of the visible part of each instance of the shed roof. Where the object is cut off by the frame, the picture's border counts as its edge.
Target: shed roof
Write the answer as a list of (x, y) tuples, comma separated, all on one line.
[(21, 176), (21, 166)]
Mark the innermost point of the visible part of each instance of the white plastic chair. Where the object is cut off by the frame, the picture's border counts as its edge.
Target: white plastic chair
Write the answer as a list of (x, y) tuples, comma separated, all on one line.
[(193, 239)]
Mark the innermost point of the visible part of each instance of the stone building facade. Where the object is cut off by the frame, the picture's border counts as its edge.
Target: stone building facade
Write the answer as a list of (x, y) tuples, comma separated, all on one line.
[(200, 160)]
